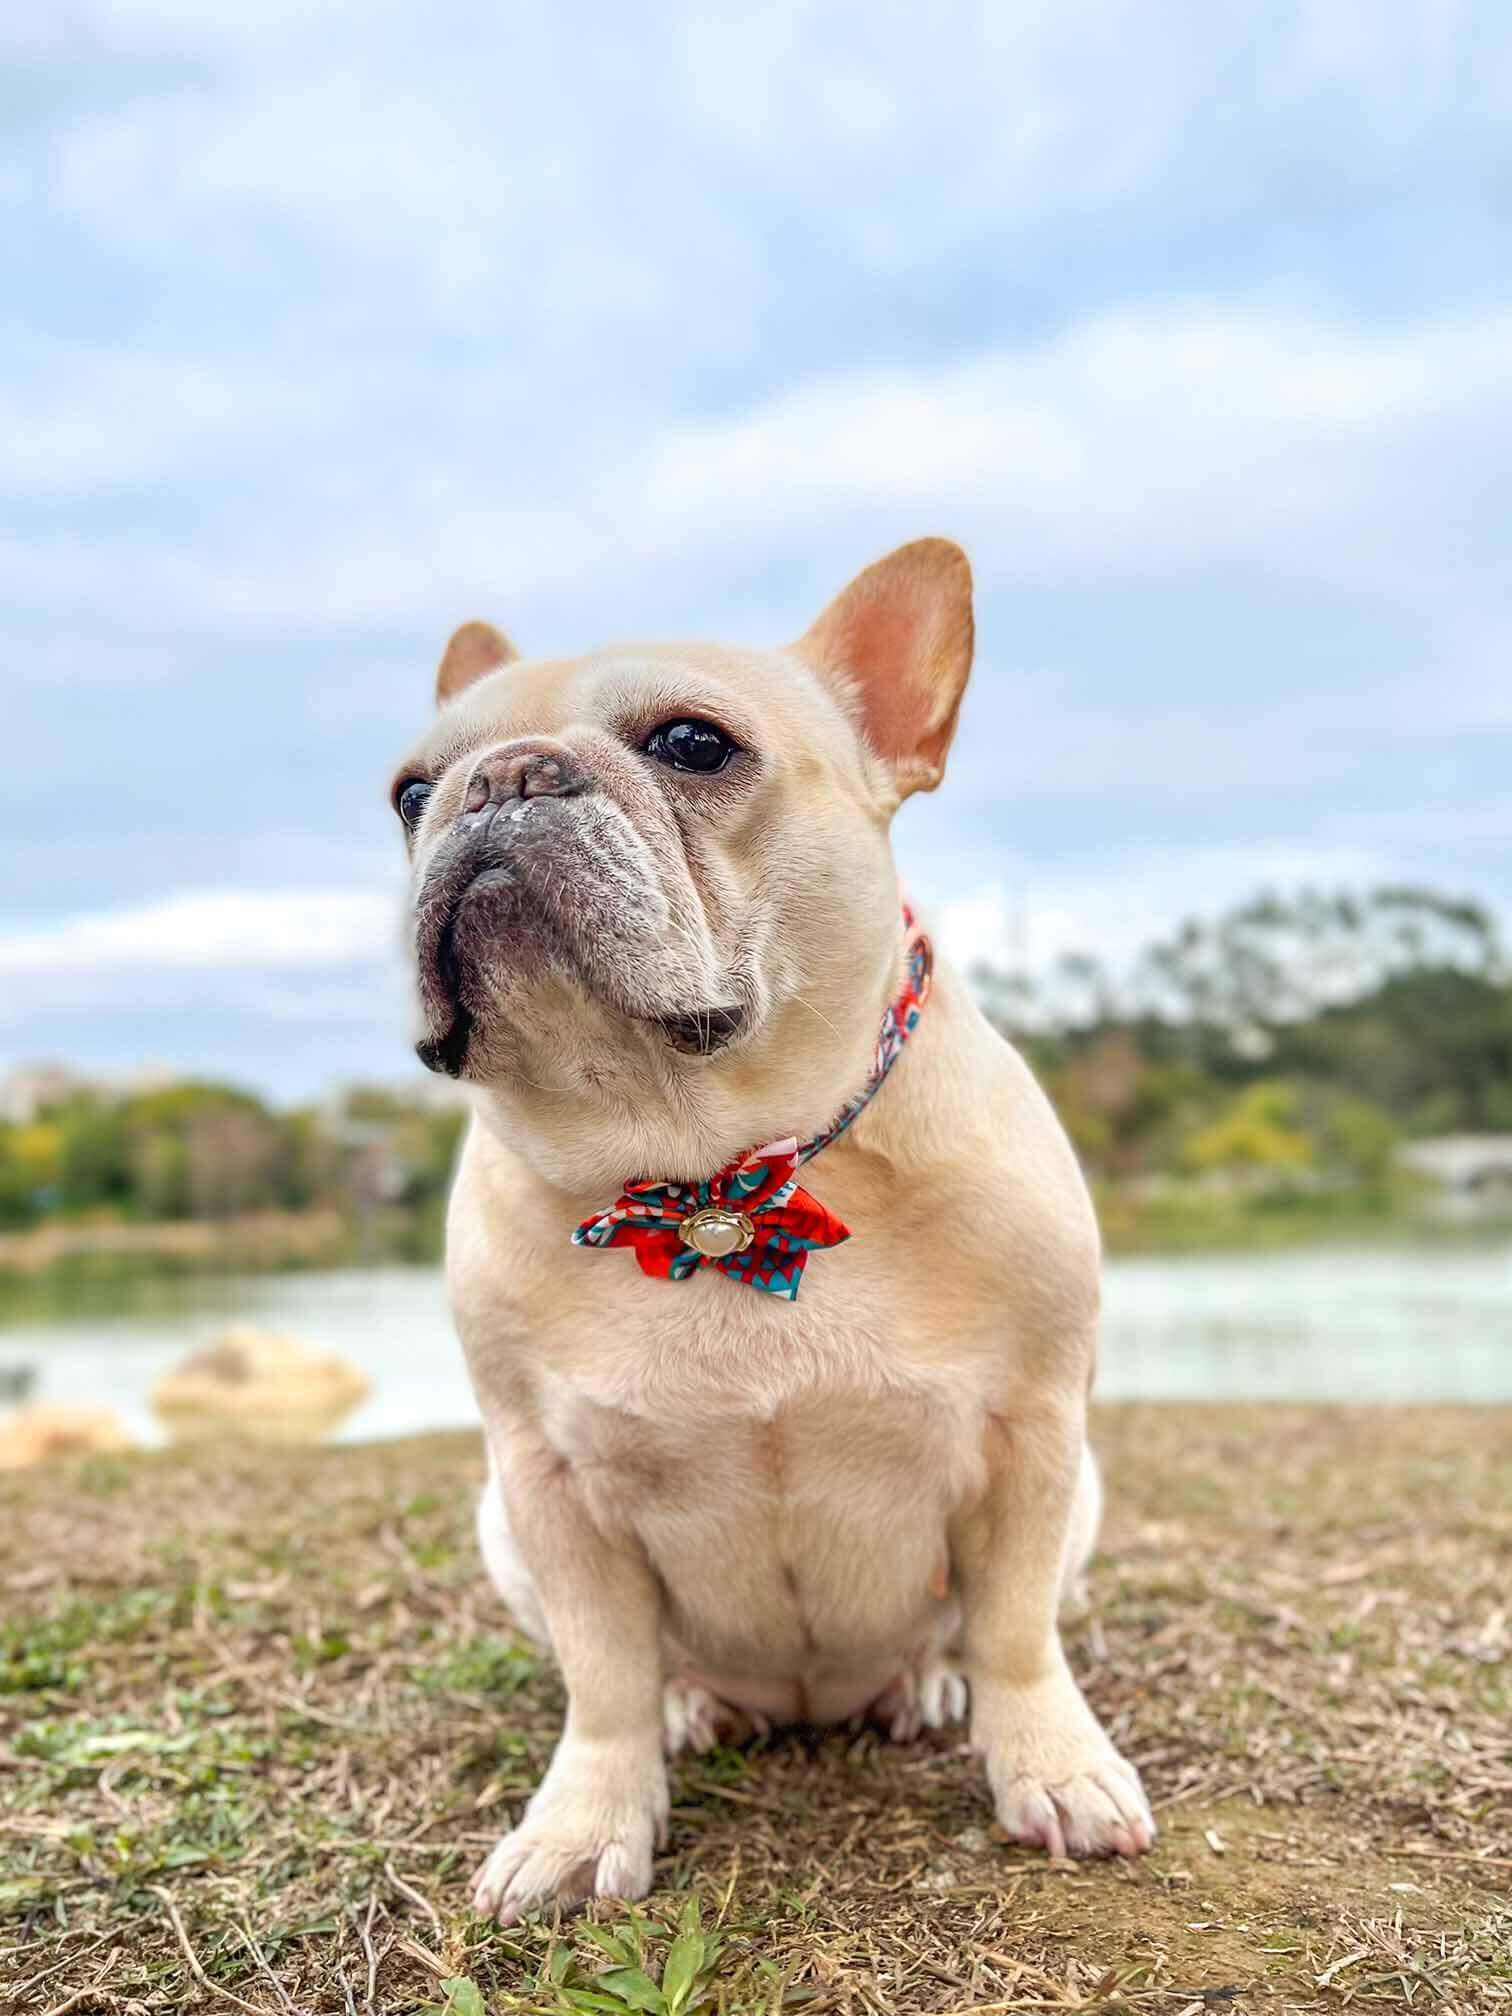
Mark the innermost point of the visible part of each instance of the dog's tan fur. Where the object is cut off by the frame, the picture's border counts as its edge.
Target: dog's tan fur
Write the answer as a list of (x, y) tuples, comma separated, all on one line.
[(709, 1500)]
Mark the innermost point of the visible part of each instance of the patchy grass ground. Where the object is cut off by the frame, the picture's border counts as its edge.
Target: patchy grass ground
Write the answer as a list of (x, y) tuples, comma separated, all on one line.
[(256, 1726)]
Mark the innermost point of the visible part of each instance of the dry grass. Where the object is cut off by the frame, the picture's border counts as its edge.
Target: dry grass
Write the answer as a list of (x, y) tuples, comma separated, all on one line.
[(256, 1728)]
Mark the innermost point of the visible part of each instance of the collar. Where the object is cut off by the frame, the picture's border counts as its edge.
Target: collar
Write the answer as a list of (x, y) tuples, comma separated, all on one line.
[(752, 1220)]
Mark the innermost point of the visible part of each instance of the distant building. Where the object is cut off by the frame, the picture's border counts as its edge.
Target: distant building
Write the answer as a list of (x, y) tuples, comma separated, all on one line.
[(421, 1090), (31, 1088), (1474, 1171)]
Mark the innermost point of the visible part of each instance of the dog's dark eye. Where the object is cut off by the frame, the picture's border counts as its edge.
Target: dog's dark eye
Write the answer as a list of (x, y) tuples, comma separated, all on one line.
[(410, 800), (690, 745)]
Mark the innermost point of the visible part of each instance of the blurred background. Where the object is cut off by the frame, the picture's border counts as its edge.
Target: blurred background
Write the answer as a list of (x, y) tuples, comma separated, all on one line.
[(324, 329)]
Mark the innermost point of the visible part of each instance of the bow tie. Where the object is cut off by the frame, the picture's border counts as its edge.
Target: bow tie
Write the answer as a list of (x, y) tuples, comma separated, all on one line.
[(753, 1220)]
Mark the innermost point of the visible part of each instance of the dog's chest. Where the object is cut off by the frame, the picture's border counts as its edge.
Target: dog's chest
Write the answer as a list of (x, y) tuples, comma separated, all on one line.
[(835, 1462), (711, 1348), (735, 1408)]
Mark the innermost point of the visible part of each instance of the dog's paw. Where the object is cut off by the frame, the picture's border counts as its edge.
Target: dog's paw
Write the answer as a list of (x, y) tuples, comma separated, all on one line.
[(592, 1830), (551, 1861), (1057, 1782), (1100, 1811), (695, 1719), (943, 1695), (924, 1696), (690, 1718)]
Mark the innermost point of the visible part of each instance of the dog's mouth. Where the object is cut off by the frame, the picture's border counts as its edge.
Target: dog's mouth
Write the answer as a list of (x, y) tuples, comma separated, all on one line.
[(444, 1048), (448, 1054), (480, 921)]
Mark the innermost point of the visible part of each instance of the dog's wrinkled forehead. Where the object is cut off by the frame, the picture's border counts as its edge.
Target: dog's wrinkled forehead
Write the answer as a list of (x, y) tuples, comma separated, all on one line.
[(870, 691), (770, 703)]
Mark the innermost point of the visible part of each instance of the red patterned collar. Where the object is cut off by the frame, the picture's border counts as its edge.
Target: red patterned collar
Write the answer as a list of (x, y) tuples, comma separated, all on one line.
[(752, 1220)]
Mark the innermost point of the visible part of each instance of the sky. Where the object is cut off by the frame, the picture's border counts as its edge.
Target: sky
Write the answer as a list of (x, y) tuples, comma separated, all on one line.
[(324, 328)]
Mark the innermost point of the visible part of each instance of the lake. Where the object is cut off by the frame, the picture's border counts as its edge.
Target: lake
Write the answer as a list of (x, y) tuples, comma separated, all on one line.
[(1367, 1323)]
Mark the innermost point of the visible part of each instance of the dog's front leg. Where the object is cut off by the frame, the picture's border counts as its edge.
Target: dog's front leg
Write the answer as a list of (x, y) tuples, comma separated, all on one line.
[(1056, 1779), (593, 1825)]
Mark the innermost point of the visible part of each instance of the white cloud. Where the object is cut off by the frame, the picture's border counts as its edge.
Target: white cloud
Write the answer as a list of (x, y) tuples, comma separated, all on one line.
[(1155, 444), (208, 930), (1144, 442), (1032, 915), (1119, 904), (89, 417)]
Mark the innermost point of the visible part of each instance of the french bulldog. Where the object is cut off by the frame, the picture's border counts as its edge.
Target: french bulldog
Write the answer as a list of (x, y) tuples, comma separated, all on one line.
[(775, 1272)]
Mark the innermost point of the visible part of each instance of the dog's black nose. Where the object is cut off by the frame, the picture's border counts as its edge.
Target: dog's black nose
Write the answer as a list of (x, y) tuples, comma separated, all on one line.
[(523, 770)]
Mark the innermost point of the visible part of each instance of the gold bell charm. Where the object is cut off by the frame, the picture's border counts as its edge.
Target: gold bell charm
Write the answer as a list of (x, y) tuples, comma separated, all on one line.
[(717, 1232)]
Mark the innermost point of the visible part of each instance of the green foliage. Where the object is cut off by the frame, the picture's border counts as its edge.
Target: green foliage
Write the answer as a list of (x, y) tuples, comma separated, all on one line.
[(489, 1665), (195, 1151), (1358, 1138), (31, 1163), (653, 1969), (1276, 1054), (1257, 1130), (463, 1998)]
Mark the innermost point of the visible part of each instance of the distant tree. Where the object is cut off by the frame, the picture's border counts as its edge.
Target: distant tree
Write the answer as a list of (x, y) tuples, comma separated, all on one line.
[(205, 1150), (1432, 1045), (1399, 996), (1259, 1131), (192, 1149), (1356, 1139), (160, 1174), (1277, 961), (31, 1164), (96, 1160), (229, 1155)]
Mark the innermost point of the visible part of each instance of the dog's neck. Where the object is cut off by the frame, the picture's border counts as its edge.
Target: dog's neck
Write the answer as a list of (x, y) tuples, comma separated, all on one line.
[(585, 1134)]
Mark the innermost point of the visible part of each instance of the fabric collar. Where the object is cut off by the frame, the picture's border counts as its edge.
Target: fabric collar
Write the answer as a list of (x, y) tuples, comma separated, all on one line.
[(752, 1220)]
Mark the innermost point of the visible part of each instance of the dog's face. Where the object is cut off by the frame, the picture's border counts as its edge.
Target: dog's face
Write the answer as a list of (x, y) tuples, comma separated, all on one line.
[(636, 874)]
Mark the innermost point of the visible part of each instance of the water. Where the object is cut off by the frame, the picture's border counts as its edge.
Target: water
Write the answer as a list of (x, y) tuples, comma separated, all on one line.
[(1373, 1323)]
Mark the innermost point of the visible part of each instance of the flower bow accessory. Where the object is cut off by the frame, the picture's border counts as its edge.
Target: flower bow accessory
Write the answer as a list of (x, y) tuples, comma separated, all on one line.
[(753, 1220)]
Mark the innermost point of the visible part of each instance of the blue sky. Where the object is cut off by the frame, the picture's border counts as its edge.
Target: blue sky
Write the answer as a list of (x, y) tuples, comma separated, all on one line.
[(323, 328)]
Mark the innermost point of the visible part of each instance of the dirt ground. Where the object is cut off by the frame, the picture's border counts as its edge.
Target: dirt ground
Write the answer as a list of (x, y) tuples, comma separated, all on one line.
[(258, 1721)]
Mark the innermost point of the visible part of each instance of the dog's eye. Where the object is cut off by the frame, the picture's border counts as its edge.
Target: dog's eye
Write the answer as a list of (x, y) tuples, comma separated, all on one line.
[(410, 800), (690, 745)]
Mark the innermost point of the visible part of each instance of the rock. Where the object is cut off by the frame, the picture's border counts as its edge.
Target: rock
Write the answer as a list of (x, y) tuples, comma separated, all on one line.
[(53, 1428), (252, 1382)]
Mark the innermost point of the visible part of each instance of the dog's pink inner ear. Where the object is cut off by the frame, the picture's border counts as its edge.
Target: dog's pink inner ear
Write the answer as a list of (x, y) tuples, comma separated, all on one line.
[(475, 649), (900, 637)]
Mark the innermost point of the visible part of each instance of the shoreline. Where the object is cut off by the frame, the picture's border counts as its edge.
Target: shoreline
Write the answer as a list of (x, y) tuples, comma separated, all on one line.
[(61, 1254)]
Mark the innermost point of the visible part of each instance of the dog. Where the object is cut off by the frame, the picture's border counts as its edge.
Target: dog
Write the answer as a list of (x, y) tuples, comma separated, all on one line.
[(776, 1275)]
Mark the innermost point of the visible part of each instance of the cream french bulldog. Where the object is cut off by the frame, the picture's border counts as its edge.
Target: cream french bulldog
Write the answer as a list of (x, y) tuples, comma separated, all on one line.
[(743, 1466)]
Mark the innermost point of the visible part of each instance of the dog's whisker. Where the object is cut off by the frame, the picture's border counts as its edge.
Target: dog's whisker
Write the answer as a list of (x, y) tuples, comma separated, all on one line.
[(816, 1013)]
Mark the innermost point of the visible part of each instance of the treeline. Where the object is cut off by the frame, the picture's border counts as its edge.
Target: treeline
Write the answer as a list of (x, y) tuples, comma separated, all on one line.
[(1272, 1059), (1266, 1062), (196, 1151)]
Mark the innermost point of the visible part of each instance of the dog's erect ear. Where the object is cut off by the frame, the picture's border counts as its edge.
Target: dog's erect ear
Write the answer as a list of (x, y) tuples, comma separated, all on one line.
[(474, 649), (899, 639)]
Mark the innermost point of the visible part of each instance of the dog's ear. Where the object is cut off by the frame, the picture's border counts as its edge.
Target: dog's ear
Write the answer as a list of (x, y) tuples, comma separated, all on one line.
[(474, 649), (898, 642)]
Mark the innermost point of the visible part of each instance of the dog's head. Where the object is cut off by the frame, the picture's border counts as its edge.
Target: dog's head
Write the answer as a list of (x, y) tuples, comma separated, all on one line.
[(655, 883)]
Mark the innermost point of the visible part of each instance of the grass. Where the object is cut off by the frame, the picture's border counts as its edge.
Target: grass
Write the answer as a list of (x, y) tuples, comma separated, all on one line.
[(257, 1723)]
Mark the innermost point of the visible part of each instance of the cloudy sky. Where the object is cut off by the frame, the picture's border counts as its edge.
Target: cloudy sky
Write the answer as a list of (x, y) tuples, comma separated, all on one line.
[(324, 327)]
